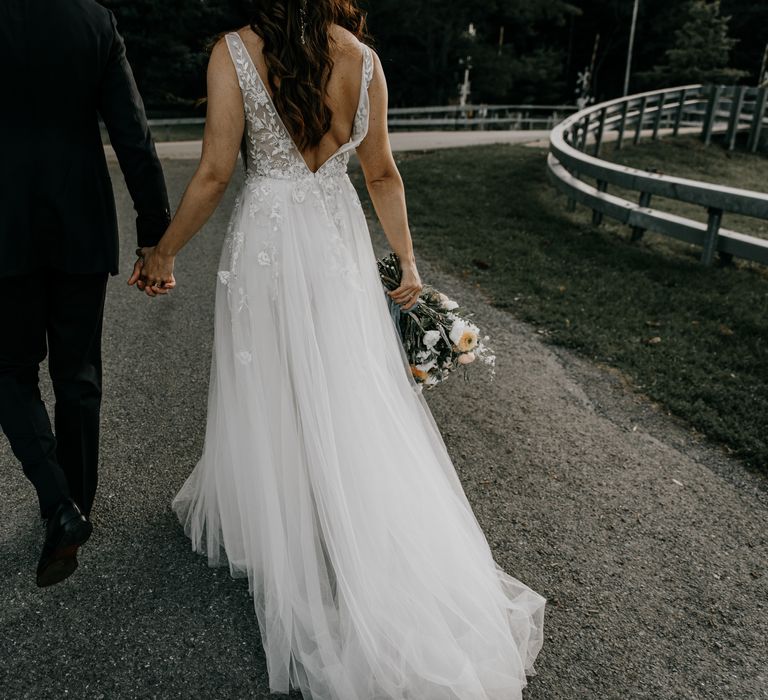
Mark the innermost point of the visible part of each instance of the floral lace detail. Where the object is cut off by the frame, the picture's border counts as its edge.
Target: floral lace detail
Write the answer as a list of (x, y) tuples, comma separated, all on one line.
[(233, 243), (271, 150), (273, 155), (265, 133)]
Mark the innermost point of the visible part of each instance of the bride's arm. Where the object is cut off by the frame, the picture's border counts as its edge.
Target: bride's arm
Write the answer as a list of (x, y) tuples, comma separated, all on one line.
[(224, 124), (385, 186)]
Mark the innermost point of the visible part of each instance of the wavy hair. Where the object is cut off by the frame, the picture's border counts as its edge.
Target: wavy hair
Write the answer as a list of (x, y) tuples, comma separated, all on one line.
[(298, 72)]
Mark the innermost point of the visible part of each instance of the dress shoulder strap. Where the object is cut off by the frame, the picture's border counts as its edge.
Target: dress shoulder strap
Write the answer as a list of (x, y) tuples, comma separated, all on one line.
[(240, 58), (367, 65)]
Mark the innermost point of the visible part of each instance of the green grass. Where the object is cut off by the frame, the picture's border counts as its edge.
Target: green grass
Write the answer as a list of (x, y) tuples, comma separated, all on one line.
[(591, 290), (689, 157)]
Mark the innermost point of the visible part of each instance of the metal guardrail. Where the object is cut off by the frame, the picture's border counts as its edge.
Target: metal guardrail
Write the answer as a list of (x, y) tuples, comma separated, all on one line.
[(576, 144), (509, 117)]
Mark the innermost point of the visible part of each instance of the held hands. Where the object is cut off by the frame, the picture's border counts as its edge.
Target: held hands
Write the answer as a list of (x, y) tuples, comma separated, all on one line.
[(153, 272), (407, 294)]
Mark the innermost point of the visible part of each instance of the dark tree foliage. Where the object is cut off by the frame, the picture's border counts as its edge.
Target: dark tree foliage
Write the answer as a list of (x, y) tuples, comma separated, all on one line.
[(167, 44), (422, 41), (546, 43), (701, 51)]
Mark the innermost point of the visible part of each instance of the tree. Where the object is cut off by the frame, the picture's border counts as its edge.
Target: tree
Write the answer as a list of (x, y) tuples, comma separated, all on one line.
[(701, 50), (167, 45), (749, 22), (421, 42)]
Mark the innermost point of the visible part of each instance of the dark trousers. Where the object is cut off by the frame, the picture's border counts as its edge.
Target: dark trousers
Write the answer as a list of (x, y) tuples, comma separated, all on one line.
[(60, 315)]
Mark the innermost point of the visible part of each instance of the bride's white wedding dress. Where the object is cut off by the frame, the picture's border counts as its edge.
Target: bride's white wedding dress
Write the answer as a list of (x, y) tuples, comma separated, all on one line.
[(324, 478)]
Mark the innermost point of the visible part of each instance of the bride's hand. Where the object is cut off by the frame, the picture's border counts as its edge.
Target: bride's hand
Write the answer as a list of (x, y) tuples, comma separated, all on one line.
[(407, 294), (153, 272)]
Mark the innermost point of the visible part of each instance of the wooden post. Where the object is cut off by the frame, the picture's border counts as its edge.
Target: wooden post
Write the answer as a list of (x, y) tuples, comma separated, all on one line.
[(600, 130), (733, 122), (710, 240), (597, 216), (679, 113), (638, 231), (659, 110), (757, 119), (640, 118), (585, 133), (571, 205), (622, 124), (711, 115)]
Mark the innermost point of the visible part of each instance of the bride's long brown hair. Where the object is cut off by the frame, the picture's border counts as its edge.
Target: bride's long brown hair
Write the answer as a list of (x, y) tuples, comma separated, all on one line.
[(298, 72)]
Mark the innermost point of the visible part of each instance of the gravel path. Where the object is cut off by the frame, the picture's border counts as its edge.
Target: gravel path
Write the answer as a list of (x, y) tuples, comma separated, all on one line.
[(650, 545)]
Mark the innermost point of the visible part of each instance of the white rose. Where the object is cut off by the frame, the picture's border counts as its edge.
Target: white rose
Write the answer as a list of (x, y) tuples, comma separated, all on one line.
[(430, 338), (457, 329), (425, 367), (447, 303)]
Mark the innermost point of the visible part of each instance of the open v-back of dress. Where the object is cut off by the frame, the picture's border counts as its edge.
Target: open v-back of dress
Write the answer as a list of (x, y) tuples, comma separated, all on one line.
[(324, 478)]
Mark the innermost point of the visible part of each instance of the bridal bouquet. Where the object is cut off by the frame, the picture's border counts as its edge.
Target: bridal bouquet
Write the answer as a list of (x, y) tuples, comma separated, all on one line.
[(437, 339)]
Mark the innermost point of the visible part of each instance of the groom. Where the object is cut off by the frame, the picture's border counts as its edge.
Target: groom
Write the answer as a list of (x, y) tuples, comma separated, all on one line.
[(63, 64)]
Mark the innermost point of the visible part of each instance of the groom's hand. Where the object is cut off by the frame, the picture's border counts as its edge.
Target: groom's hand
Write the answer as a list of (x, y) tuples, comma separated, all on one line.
[(153, 272), (135, 278)]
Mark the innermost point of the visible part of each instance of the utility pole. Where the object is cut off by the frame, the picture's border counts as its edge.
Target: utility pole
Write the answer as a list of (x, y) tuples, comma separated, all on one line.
[(631, 47), (762, 79), (464, 88)]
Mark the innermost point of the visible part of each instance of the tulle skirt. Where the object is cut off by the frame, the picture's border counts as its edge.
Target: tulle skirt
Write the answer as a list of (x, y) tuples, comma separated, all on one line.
[(324, 478)]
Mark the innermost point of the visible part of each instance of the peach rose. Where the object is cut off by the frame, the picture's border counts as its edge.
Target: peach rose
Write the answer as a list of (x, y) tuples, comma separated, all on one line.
[(466, 357)]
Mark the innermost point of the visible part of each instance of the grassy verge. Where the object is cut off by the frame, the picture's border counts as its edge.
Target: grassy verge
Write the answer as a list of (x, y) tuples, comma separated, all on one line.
[(693, 338), (689, 157)]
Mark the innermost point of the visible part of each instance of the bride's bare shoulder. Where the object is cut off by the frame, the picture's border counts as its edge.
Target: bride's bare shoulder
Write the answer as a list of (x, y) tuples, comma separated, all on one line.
[(251, 39), (345, 42)]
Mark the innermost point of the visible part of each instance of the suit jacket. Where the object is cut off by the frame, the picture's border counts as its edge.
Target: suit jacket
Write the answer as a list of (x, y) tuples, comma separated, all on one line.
[(62, 64)]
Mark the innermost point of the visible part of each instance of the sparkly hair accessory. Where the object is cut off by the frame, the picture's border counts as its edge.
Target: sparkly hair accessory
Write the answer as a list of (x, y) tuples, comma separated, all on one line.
[(303, 19)]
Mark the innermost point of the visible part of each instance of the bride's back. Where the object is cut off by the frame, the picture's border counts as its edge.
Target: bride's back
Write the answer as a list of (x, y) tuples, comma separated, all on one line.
[(342, 92)]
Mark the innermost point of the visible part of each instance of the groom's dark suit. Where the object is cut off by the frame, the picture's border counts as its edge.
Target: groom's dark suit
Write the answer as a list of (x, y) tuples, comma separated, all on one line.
[(62, 64)]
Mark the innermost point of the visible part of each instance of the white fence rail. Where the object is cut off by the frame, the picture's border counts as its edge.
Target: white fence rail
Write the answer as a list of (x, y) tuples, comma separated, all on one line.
[(574, 160)]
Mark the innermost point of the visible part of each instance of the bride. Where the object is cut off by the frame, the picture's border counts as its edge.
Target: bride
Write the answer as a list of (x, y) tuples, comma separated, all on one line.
[(324, 478)]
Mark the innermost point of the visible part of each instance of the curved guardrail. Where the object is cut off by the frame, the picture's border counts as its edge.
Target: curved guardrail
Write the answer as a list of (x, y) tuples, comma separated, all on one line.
[(574, 158)]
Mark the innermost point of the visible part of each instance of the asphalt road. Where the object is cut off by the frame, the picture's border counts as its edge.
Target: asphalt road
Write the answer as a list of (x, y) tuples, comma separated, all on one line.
[(650, 545), (400, 141)]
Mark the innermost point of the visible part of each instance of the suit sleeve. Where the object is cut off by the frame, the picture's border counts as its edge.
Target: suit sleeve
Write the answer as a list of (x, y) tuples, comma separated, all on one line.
[(122, 110)]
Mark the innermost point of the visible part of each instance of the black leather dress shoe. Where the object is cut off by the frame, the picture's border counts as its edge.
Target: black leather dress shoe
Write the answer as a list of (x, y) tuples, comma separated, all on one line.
[(66, 530)]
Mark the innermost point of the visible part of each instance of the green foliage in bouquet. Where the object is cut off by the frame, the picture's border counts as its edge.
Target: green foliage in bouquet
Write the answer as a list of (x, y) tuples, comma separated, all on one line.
[(436, 338)]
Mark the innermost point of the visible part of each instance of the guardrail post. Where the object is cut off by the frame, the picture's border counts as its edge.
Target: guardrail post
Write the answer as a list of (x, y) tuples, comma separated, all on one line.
[(757, 120), (597, 216), (585, 133), (733, 121), (710, 240), (662, 100), (600, 130), (638, 231), (711, 114), (679, 113), (640, 118), (622, 124)]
